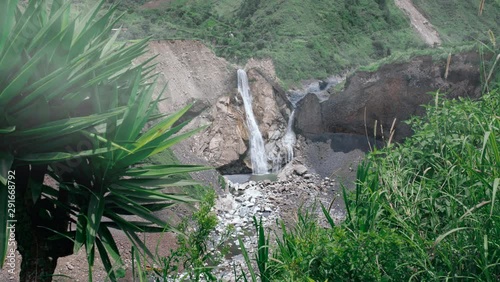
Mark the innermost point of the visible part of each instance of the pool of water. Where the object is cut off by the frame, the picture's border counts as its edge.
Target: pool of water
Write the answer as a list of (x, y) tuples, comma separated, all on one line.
[(243, 178)]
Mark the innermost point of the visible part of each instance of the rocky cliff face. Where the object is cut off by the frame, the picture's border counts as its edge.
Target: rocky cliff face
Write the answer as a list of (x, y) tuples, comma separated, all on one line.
[(394, 91), (225, 142), (193, 74)]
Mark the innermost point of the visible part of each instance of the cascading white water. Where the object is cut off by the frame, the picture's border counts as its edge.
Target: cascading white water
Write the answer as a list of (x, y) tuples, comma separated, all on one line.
[(257, 149), (289, 139)]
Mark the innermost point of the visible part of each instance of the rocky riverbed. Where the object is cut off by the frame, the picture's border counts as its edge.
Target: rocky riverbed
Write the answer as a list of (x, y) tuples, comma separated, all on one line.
[(277, 201)]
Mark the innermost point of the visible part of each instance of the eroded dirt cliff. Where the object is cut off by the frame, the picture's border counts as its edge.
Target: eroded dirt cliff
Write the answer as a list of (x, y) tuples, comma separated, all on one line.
[(394, 91)]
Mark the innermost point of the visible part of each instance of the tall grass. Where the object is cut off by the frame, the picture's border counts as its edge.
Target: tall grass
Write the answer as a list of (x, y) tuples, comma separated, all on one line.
[(424, 210)]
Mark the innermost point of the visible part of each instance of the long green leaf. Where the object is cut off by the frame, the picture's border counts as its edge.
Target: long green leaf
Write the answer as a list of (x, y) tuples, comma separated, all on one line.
[(146, 150), (109, 45), (109, 243), (7, 129), (129, 129), (162, 170), (442, 236), (177, 139), (137, 209), (105, 260), (10, 51), (6, 160), (137, 263), (111, 143), (153, 207), (67, 126), (157, 182), (39, 88), (54, 21), (247, 260), (496, 183), (328, 216), (141, 226), (42, 158), (6, 21), (19, 81), (159, 129), (148, 194), (94, 216), (80, 232)]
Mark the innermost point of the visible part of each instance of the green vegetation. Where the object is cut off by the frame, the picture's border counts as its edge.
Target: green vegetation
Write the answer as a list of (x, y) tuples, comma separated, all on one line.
[(74, 109), (424, 210), (198, 253), (406, 56), (306, 38), (458, 21), (196, 191)]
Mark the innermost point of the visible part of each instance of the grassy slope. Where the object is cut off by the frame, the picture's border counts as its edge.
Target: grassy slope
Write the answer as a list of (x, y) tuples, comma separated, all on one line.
[(307, 38), (461, 22), (318, 39)]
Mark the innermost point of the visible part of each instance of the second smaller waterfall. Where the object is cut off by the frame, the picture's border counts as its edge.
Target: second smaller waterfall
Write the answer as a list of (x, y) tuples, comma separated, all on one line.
[(257, 149), (289, 139)]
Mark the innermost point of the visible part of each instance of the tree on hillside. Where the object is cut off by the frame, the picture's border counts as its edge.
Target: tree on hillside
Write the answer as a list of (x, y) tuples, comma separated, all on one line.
[(73, 111)]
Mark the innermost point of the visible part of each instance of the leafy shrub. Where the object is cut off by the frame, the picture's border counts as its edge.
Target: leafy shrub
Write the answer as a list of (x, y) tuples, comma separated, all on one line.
[(441, 185), (197, 253)]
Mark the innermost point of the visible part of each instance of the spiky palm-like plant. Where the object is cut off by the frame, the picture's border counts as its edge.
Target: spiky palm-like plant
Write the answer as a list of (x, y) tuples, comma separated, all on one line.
[(73, 107)]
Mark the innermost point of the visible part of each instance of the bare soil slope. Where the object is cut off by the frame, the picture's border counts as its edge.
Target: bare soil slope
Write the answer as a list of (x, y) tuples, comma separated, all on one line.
[(419, 22)]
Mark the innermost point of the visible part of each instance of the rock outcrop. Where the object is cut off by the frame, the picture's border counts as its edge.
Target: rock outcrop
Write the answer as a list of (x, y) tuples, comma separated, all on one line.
[(394, 91), (225, 142), (194, 74)]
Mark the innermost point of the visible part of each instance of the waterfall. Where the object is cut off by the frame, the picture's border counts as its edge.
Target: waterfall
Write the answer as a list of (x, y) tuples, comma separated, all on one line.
[(257, 150), (289, 139)]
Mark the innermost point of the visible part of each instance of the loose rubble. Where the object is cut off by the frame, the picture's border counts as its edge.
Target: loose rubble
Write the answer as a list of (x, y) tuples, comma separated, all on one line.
[(280, 200)]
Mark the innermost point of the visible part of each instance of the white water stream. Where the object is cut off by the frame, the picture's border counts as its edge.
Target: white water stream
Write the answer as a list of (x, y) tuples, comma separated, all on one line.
[(257, 149), (289, 139)]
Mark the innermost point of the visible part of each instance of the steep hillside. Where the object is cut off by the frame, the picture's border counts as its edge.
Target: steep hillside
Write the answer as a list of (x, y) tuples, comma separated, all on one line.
[(304, 38), (307, 38), (458, 21)]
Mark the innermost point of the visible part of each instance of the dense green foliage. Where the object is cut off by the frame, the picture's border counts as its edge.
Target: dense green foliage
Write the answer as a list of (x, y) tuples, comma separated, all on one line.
[(74, 109), (427, 210), (461, 22), (424, 210), (306, 38), (197, 254)]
